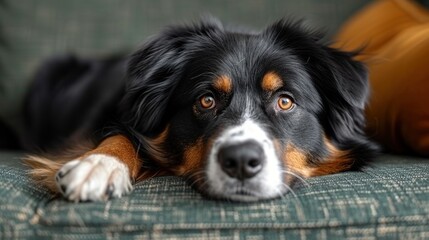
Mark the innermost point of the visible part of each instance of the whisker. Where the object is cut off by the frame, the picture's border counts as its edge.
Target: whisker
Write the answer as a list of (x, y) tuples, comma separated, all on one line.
[(155, 174), (143, 176), (290, 189), (282, 196), (138, 150), (195, 181), (297, 176), (204, 183), (194, 174)]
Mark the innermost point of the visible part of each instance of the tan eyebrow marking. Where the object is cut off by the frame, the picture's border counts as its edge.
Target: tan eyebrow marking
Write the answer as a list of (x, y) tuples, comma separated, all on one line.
[(271, 82), (223, 84)]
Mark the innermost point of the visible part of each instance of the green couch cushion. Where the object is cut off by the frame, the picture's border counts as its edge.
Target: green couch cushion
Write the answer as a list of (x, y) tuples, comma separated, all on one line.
[(388, 200)]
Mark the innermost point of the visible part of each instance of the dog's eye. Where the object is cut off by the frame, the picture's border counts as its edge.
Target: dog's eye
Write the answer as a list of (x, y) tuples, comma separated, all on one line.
[(207, 102), (285, 102)]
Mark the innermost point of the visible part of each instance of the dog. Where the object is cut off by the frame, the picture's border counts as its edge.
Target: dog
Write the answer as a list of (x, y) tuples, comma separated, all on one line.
[(241, 115)]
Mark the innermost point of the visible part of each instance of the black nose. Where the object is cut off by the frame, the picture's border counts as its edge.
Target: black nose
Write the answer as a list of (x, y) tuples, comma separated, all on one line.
[(241, 161)]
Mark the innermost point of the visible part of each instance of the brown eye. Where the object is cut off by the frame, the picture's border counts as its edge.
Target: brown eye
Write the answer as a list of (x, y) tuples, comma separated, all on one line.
[(285, 102), (207, 102)]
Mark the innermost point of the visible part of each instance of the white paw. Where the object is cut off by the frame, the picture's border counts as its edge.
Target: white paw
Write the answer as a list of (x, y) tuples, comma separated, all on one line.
[(96, 177)]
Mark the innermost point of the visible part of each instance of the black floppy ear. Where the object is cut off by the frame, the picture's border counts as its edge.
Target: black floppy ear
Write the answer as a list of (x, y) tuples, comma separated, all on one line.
[(153, 73), (343, 84), (341, 81)]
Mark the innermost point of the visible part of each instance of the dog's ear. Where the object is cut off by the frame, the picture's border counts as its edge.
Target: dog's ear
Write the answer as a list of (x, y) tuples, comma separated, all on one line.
[(343, 84), (341, 81), (153, 73)]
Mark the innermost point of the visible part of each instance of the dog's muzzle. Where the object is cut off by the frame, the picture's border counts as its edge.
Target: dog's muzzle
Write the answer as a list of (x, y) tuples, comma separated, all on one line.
[(243, 165)]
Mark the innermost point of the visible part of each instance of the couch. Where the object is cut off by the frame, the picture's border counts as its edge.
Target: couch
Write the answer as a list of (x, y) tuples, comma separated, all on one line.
[(388, 199)]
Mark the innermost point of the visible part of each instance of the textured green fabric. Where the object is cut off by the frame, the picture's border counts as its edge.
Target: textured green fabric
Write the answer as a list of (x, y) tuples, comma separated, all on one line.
[(388, 200), (36, 29)]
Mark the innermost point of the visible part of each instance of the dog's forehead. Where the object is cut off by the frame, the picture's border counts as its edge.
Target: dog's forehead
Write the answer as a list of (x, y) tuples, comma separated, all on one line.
[(248, 61)]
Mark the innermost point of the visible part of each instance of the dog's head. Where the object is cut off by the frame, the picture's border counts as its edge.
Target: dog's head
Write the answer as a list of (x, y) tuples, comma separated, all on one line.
[(243, 115)]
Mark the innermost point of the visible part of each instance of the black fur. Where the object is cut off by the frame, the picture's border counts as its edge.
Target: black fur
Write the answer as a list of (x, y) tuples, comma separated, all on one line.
[(71, 98)]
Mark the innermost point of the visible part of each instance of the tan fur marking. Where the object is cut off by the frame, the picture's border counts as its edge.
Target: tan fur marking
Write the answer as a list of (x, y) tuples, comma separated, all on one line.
[(44, 168), (43, 171), (271, 82), (223, 84), (278, 147), (337, 161), (122, 149), (192, 158), (296, 160), (156, 146)]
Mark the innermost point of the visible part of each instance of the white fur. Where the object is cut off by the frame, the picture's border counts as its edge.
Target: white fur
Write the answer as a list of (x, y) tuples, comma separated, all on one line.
[(90, 178), (266, 184)]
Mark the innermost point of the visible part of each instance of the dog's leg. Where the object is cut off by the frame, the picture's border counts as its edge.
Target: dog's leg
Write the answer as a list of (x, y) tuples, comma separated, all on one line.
[(105, 172)]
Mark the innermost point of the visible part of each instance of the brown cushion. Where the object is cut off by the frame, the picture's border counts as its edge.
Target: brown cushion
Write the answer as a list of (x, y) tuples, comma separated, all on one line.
[(395, 37)]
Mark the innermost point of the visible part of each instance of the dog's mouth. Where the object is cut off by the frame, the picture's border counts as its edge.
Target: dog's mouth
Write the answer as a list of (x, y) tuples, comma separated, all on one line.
[(237, 191), (247, 194), (244, 192), (239, 194), (244, 195)]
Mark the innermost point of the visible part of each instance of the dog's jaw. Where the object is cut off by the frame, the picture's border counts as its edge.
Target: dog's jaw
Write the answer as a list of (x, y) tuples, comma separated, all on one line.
[(265, 185), (96, 177)]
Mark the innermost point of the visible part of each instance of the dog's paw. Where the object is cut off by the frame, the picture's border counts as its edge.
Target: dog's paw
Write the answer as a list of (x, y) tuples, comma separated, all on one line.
[(96, 177)]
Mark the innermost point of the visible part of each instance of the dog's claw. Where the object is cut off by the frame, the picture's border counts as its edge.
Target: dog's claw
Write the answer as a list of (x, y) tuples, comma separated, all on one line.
[(109, 191)]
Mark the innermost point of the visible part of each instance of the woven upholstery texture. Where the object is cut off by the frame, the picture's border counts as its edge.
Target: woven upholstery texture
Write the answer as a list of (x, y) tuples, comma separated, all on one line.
[(388, 200)]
